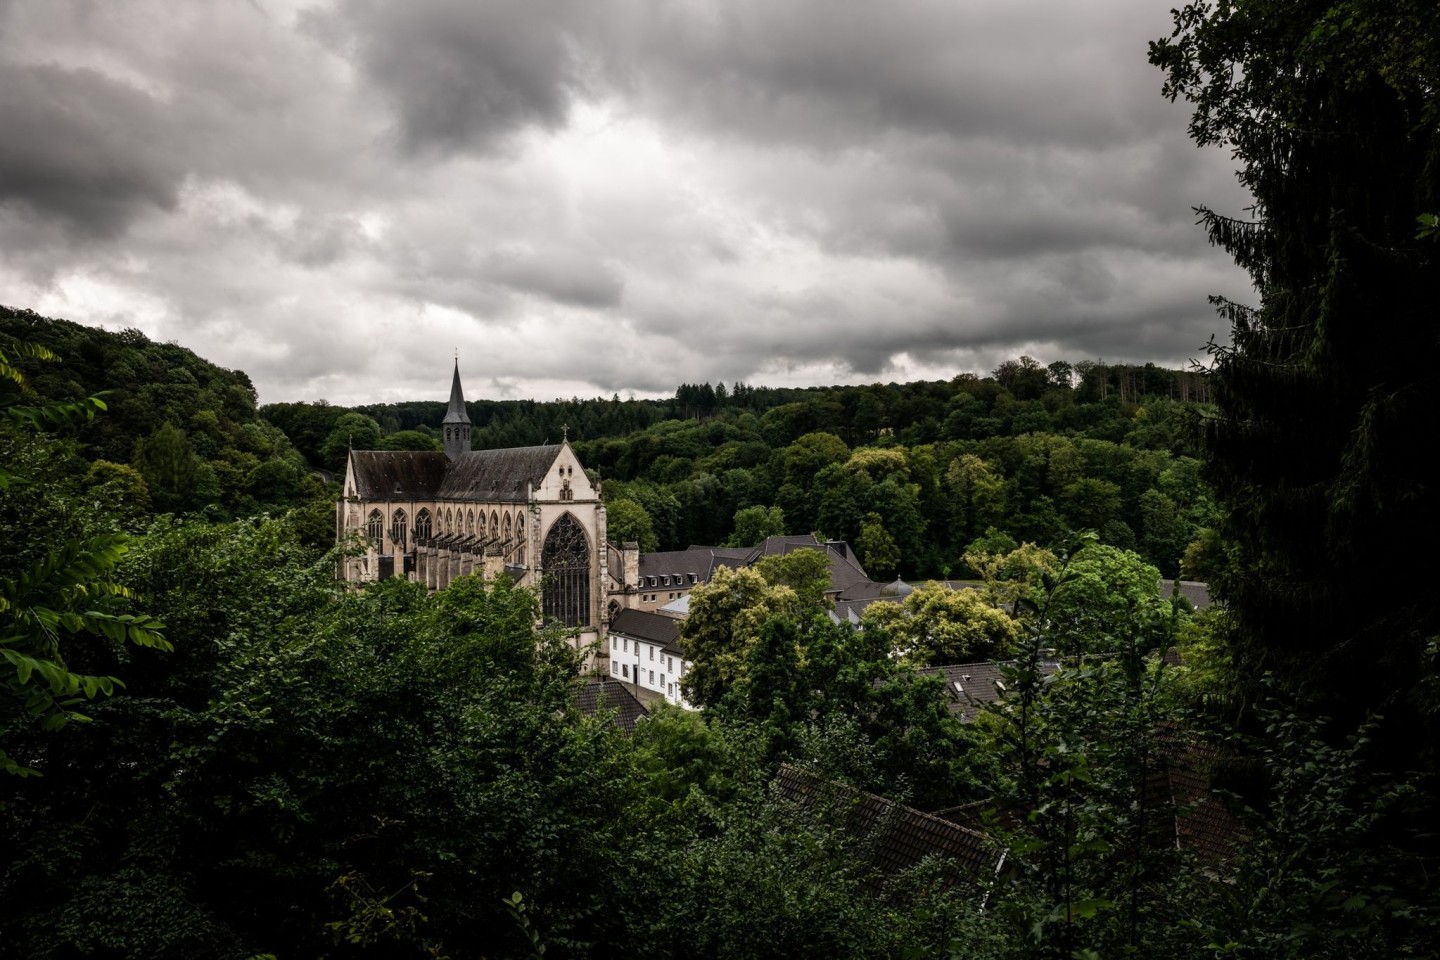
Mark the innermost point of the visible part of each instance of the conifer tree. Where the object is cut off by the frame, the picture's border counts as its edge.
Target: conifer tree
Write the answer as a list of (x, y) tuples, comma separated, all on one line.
[(1325, 392)]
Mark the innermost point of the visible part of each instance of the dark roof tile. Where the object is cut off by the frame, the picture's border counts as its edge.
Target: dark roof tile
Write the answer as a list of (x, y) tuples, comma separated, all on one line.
[(497, 475), (972, 685), (899, 836), (643, 625), (397, 474), (606, 694)]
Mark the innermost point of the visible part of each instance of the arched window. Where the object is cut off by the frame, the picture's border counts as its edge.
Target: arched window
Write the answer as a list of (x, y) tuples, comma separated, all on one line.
[(449, 521), (520, 535), (566, 561), (505, 532), (470, 523), (397, 529), (375, 527), (422, 524), (494, 526)]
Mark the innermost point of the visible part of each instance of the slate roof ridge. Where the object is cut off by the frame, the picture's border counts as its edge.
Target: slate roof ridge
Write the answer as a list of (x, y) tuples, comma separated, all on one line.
[(652, 627), (499, 474), (398, 474), (605, 693), (909, 834)]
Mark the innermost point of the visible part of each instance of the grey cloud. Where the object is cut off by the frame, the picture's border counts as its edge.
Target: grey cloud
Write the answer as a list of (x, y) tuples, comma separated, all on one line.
[(560, 276), (83, 149), (319, 241), (820, 71), (837, 184), (466, 75)]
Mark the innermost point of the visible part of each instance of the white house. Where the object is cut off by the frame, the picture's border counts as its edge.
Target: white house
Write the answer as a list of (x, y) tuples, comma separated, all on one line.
[(644, 653)]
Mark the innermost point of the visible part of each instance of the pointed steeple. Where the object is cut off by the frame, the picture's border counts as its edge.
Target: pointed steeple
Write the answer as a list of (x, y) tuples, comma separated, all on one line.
[(457, 422)]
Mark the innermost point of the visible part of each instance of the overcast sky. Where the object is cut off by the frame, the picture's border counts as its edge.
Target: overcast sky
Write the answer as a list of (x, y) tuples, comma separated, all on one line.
[(606, 196)]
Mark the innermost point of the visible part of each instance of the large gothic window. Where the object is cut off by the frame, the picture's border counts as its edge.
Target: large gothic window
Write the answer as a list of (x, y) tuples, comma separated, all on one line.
[(422, 525), (397, 529), (520, 535), (494, 526), (375, 527), (565, 560)]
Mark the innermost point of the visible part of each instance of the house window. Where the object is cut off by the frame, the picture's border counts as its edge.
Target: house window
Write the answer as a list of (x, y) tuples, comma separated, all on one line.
[(671, 688), (671, 665), (565, 559), (652, 653), (625, 670), (627, 645), (614, 667), (662, 679), (652, 677), (614, 644)]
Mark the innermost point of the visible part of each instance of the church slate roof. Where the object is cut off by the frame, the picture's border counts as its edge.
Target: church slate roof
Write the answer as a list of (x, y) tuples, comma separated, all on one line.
[(496, 474), (397, 474), (490, 475), (455, 412)]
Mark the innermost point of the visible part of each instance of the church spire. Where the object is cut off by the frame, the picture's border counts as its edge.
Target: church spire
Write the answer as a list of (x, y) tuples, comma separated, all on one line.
[(457, 421)]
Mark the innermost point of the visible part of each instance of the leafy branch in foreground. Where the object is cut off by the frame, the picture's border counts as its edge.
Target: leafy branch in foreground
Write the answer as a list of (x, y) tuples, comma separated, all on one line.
[(68, 591)]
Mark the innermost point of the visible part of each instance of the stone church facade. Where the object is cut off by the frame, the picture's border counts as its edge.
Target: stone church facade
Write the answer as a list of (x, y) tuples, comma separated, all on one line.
[(529, 512)]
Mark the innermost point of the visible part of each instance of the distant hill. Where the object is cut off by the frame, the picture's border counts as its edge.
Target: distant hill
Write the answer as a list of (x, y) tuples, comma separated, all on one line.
[(190, 427)]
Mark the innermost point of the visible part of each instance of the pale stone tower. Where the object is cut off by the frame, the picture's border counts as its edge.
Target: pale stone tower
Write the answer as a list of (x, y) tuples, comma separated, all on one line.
[(457, 421)]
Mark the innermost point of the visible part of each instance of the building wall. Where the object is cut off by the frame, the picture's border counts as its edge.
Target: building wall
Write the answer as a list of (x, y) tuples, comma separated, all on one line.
[(649, 666), (563, 490)]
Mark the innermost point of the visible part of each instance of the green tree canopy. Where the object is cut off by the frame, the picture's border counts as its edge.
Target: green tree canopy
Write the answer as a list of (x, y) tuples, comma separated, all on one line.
[(876, 548), (1330, 110), (170, 468), (725, 619), (351, 431), (627, 521), (754, 524), (806, 571), (937, 625)]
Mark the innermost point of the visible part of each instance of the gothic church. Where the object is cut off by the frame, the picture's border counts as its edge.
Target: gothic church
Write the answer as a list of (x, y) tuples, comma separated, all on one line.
[(529, 512)]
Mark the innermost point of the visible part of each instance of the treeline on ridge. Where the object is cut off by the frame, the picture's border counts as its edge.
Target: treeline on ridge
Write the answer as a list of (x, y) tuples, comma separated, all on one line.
[(1034, 452), (913, 474)]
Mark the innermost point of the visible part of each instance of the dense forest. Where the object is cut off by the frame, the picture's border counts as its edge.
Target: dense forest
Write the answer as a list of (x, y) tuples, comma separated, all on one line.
[(209, 747), (1032, 453)]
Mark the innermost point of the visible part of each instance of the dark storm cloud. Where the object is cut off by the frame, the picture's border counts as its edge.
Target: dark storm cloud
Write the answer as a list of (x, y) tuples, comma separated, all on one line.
[(608, 195), (465, 75), (559, 276), (824, 71), (83, 149)]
